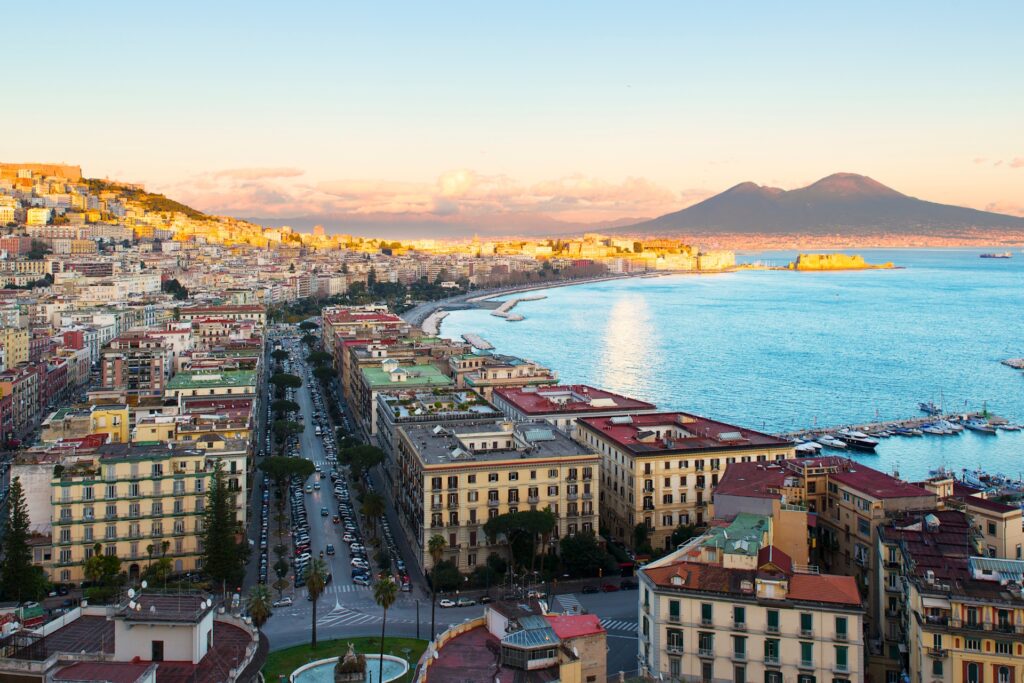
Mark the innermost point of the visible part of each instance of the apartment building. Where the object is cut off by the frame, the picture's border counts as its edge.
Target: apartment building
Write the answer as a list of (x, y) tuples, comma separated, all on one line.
[(731, 607), (223, 383), (22, 385), (999, 527), (954, 617), (253, 312), (15, 343), (136, 363), (659, 469), (486, 371), (129, 497), (452, 477), (390, 376), (563, 404)]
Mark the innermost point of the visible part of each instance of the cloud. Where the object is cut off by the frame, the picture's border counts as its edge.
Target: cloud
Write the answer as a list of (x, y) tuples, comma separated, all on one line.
[(259, 173), (1003, 207), (1017, 162), (980, 160), (458, 195)]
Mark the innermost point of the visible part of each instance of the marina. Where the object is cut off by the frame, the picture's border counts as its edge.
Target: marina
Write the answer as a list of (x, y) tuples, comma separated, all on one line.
[(478, 342)]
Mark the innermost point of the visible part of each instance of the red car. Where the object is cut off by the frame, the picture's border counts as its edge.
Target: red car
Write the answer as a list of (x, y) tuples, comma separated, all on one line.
[(337, 519), (609, 588)]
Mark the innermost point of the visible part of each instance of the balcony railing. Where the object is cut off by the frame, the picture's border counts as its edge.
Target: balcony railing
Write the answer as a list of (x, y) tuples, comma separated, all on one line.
[(937, 652), (706, 652), (841, 668), (674, 619), (771, 660), (807, 664), (739, 626), (739, 656), (493, 503), (674, 648)]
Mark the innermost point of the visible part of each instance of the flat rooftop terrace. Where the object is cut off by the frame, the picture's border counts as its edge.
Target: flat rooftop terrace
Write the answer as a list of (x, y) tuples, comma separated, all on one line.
[(439, 444)]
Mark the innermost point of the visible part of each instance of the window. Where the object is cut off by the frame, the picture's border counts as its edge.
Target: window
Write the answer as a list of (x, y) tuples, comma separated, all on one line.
[(773, 621), (675, 668), (739, 617), (991, 528), (863, 527), (973, 673), (806, 654), (806, 622), (936, 667), (1003, 674), (706, 643), (842, 658), (513, 476), (739, 674), (972, 644), (739, 647), (772, 677), (805, 678), (771, 651), (706, 612), (841, 628), (493, 476), (1004, 647)]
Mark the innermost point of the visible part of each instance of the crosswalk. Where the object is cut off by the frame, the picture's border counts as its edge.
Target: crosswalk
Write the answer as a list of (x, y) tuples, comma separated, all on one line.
[(619, 625), (342, 616), (338, 588)]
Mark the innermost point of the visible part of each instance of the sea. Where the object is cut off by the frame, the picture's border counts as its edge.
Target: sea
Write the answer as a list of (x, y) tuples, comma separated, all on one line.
[(780, 351)]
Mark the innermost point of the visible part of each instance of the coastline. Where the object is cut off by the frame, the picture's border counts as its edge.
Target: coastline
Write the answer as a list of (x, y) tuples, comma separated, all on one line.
[(428, 315)]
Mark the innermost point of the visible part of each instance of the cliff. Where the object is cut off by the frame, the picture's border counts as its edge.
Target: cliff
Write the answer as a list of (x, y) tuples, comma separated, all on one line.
[(833, 262)]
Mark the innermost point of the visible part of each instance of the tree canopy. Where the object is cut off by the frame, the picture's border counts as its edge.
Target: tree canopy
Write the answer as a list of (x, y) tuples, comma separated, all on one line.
[(319, 357), (283, 380), (521, 530), (223, 556), (582, 555), (283, 468), (283, 405), (308, 326), (362, 458), (19, 580)]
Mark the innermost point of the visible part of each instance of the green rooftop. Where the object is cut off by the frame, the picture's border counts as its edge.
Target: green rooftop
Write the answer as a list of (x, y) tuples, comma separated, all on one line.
[(208, 380), (380, 379), (743, 536)]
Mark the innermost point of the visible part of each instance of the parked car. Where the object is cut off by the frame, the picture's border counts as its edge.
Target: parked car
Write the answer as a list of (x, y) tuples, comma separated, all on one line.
[(445, 602), (610, 588), (590, 588), (627, 584), (465, 602), (283, 602)]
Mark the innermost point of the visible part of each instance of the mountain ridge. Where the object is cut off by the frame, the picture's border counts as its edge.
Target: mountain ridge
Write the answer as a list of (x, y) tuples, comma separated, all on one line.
[(845, 201)]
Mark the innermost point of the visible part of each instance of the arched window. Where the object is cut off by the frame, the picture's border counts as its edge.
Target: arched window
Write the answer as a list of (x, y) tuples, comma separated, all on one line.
[(1004, 674), (973, 673)]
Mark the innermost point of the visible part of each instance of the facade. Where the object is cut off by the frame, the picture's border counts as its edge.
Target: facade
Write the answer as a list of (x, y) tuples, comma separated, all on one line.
[(954, 617), (136, 363), (741, 611), (237, 383), (130, 497), (561, 405), (486, 371), (389, 376), (452, 477), (659, 469)]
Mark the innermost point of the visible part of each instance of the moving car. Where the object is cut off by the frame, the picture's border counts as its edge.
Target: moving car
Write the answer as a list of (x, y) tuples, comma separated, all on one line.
[(465, 602), (283, 602), (330, 549)]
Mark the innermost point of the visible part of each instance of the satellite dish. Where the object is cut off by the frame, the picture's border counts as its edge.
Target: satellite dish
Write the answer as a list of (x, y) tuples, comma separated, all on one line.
[(131, 605), (145, 584), (131, 592), (152, 609)]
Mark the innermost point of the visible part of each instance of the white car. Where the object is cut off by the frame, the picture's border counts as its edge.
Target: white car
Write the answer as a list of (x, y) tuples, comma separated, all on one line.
[(445, 602), (283, 602)]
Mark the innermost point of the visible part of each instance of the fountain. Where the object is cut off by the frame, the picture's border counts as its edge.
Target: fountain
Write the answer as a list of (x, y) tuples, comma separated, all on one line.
[(351, 668)]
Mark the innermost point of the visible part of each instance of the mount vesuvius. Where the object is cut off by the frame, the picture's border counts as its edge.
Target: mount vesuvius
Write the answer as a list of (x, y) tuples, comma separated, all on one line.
[(844, 202)]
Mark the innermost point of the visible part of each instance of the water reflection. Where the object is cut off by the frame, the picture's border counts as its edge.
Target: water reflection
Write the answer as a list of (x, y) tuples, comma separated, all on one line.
[(628, 343)]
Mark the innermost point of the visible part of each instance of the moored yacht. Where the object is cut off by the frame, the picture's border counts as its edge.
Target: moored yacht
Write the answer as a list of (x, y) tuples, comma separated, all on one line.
[(857, 440)]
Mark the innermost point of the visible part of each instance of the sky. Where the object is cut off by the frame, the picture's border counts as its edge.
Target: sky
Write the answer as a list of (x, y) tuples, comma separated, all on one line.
[(497, 115)]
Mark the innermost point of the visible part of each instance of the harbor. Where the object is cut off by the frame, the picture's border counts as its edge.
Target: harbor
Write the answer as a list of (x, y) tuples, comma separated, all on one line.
[(505, 309)]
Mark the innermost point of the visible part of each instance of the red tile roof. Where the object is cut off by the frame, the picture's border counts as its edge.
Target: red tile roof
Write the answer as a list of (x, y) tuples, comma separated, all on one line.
[(579, 398), (568, 626), (770, 555), (115, 672), (704, 434), (830, 588), (878, 484), (752, 480)]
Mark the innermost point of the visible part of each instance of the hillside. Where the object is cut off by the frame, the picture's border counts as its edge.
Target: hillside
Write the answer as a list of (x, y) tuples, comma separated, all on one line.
[(151, 201), (844, 202)]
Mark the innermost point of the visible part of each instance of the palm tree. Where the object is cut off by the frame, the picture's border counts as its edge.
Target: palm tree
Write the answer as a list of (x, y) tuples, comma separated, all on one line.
[(435, 546), (149, 551), (373, 509), (258, 605), (384, 593), (316, 581)]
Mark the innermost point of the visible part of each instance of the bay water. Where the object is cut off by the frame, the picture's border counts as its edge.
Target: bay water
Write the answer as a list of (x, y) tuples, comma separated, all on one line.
[(780, 351)]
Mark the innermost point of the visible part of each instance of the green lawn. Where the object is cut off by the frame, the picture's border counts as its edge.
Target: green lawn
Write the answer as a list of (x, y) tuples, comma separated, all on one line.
[(283, 662)]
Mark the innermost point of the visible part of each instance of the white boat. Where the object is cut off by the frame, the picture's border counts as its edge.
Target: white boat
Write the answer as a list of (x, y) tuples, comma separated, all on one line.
[(933, 429), (953, 427), (830, 441)]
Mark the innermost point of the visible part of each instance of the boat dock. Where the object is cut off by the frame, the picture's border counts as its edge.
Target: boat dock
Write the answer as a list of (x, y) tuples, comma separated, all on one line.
[(505, 309), (887, 425), (478, 342), (1015, 363)]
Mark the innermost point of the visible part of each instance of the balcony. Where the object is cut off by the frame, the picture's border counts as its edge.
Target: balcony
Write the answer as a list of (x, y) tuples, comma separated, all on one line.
[(807, 664), (588, 496), (772, 628), (739, 626), (841, 668), (841, 636), (533, 500), (674, 619), (771, 660), (436, 506), (674, 648), (493, 503), (649, 506), (706, 652), (572, 496), (705, 621), (806, 633)]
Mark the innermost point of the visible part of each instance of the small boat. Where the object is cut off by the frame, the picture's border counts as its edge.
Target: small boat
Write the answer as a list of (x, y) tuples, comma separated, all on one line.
[(807, 449), (934, 429), (1010, 428), (1002, 254), (830, 441), (929, 408), (980, 426), (907, 431), (953, 427), (857, 440)]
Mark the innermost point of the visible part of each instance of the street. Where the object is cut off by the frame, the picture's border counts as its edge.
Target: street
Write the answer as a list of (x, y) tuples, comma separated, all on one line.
[(346, 609)]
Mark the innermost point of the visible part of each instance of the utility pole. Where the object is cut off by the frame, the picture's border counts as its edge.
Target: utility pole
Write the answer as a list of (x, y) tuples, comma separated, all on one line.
[(417, 619)]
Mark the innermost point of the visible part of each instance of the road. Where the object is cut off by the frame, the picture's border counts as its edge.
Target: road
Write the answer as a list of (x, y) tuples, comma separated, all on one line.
[(346, 610)]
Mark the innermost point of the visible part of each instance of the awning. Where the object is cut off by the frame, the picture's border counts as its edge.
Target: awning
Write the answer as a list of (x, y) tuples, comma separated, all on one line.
[(935, 603)]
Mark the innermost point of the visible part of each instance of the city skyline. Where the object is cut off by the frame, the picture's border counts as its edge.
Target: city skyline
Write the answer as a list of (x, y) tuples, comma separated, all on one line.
[(437, 119)]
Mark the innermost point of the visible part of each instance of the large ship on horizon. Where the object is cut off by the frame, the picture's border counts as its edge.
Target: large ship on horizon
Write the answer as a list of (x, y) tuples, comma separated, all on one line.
[(1003, 254)]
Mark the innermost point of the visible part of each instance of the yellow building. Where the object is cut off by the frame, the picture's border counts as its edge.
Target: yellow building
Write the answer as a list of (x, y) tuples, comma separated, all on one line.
[(728, 607), (15, 343), (130, 497), (453, 477), (111, 420), (658, 470), (960, 617)]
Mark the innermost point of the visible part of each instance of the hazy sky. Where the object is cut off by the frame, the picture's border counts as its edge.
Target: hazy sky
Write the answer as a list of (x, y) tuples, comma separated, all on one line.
[(506, 112)]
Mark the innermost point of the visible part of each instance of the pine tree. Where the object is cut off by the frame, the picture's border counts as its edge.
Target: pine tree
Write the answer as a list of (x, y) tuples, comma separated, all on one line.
[(19, 580), (223, 557)]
